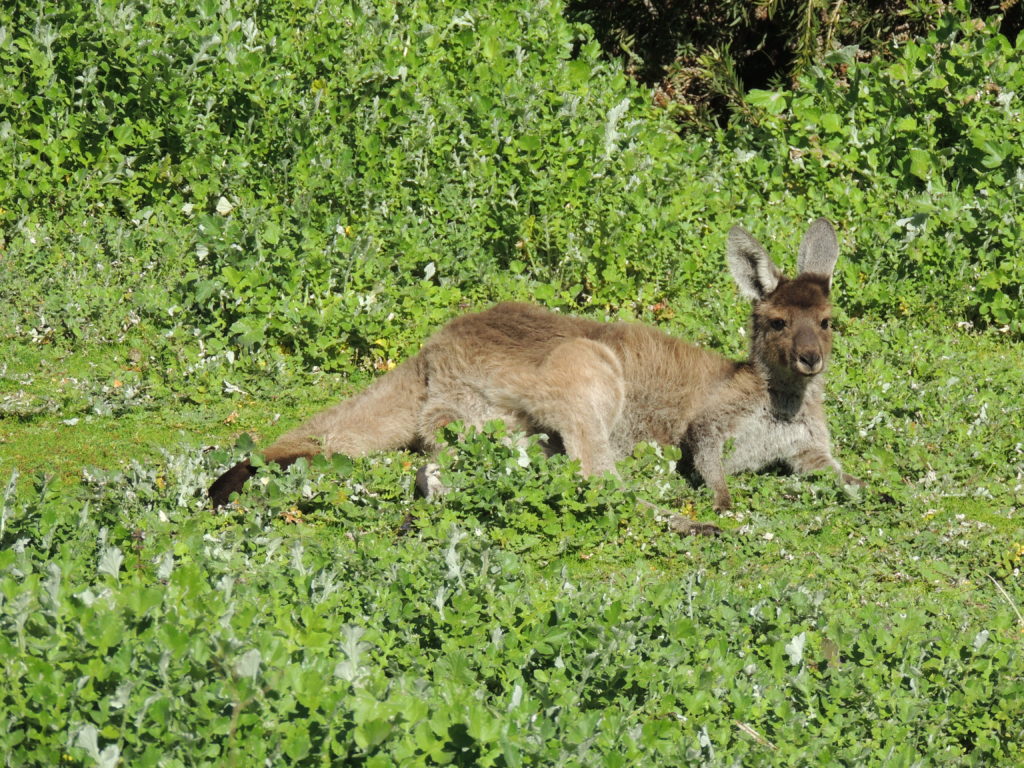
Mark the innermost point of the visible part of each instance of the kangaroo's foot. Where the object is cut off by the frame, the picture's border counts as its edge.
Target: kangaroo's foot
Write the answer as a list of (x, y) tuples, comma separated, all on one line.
[(684, 526)]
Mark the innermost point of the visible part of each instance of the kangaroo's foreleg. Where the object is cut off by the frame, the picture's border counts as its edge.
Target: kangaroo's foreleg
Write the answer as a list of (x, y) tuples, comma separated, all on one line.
[(817, 457), (705, 441), (706, 444)]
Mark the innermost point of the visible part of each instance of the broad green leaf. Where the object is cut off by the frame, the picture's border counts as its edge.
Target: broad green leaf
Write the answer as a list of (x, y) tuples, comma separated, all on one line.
[(773, 102)]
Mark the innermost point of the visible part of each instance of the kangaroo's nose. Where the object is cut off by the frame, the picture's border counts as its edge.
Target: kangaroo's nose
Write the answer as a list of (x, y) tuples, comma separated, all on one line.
[(809, 362)]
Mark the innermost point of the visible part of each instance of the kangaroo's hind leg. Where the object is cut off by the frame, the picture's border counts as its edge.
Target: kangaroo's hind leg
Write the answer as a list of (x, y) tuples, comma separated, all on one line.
[(575, 395), (449, 399), (578, 392)]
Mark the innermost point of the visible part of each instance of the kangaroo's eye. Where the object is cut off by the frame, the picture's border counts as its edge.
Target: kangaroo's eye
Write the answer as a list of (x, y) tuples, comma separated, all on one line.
[(777, 323), (826, 324)]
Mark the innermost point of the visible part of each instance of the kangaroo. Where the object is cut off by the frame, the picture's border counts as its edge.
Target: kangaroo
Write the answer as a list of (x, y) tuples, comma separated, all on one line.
[(596, 389)]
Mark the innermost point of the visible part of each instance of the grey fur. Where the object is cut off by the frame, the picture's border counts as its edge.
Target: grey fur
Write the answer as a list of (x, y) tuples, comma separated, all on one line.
[(752, 269), (600, 388)]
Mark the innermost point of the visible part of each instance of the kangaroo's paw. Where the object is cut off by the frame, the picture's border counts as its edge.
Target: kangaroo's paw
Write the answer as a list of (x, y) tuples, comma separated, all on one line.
[(428, 482)]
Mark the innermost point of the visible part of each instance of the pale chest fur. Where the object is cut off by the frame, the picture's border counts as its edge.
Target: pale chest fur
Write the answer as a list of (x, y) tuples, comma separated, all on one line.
[(760, 438)]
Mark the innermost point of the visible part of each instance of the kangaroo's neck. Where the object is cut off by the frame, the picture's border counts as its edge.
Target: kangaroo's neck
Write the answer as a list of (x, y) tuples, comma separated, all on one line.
[(788, 393)]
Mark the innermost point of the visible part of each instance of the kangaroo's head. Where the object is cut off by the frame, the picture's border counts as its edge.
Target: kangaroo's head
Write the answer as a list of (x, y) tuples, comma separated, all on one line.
[(791, 319)]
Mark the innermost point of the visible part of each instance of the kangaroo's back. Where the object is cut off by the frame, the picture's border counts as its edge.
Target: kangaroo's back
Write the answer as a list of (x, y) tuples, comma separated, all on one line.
[(509, 333)]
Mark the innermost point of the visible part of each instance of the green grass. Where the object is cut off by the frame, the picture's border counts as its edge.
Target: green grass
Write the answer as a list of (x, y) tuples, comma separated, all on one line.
[(66, 411)]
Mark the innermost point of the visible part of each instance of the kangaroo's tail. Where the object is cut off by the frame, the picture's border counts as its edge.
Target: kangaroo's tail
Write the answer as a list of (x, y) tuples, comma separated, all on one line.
[(384, 416)]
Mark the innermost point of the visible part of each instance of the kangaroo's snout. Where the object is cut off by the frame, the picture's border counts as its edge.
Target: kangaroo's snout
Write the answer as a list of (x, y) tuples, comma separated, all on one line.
[(808, 350), (809, 363)]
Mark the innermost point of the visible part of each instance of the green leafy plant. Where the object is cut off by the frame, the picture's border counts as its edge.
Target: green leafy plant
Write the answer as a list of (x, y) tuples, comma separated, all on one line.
[(221, 218)]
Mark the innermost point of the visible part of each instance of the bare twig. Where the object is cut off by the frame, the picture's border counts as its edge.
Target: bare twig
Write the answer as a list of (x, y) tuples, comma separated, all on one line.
[(1004, 593), (754, 735)]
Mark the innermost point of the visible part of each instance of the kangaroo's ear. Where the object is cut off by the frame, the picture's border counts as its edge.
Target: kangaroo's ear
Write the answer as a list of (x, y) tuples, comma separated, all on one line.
[(819, 250), (751, 266)]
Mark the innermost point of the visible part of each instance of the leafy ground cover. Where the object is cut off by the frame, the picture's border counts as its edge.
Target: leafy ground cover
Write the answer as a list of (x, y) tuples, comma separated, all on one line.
[(222, 218)]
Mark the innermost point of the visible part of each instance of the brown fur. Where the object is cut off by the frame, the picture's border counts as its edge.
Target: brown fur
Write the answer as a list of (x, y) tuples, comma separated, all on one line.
[(600, 388)]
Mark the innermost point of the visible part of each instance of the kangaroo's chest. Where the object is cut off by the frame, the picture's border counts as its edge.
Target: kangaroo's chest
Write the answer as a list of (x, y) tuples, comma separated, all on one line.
[(760, 438)]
